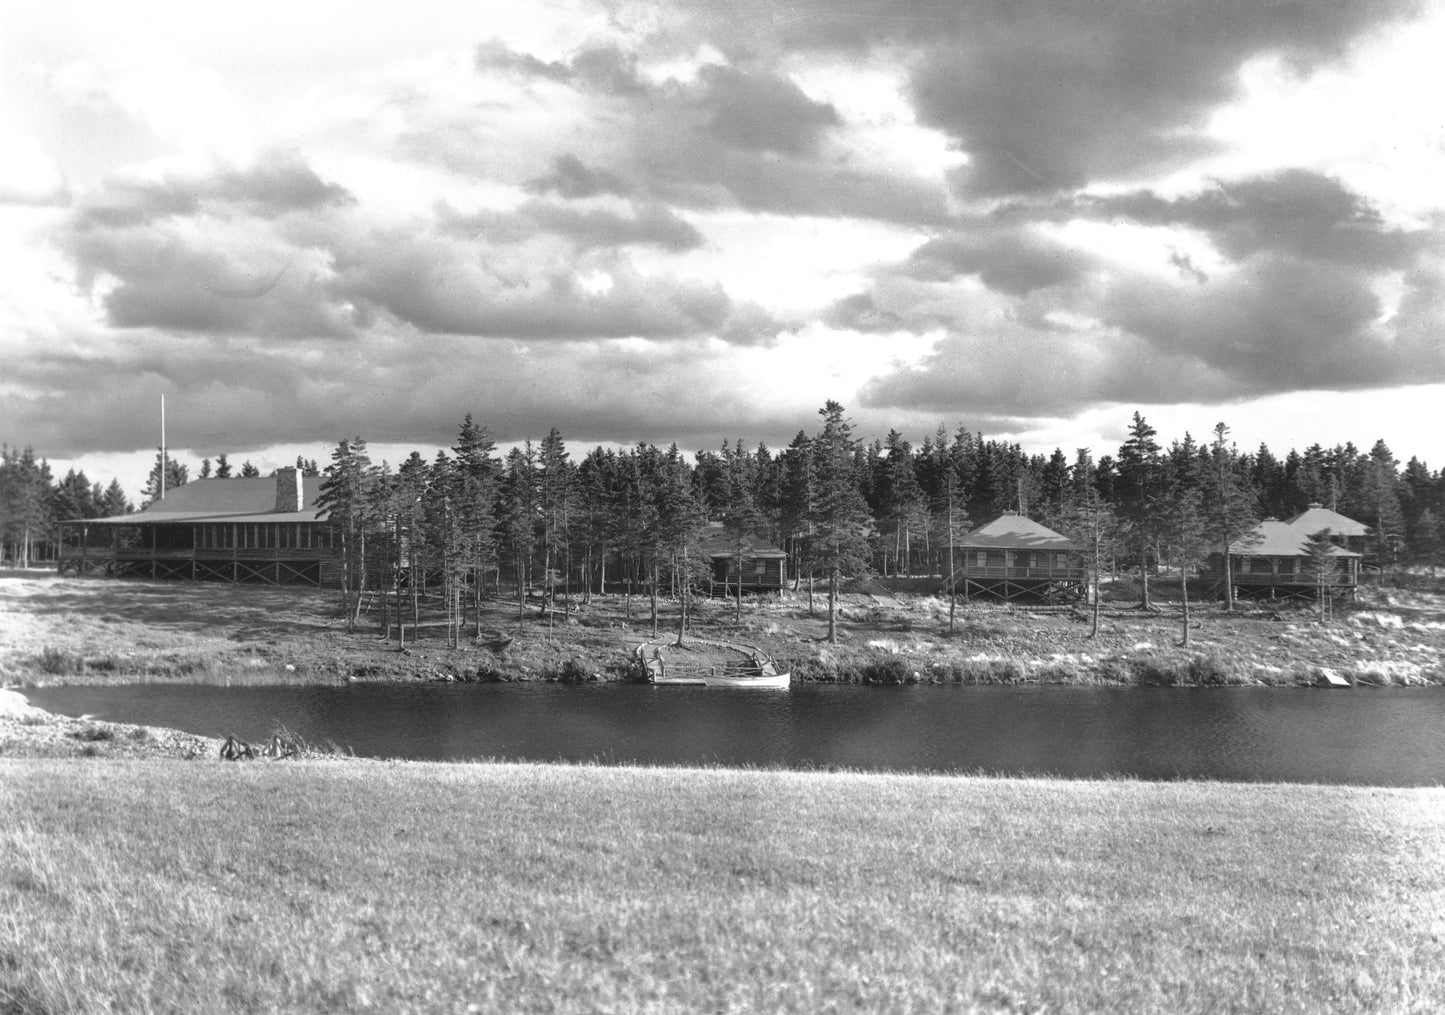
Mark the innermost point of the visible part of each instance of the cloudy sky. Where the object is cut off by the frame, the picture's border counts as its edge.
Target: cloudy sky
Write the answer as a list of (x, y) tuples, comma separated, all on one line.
[(697, 221)]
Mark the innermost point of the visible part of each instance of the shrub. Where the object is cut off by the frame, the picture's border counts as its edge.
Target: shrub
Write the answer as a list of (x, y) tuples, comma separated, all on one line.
[(94, 733), (574, 672), (1211, 671), (1151, 671), (888, 669), (56, 661)]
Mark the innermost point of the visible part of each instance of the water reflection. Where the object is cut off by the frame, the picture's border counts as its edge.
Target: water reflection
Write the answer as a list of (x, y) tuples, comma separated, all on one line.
[(1384, 737)]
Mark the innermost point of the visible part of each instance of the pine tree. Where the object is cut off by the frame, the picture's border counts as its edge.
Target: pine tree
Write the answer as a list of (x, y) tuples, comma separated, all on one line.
[(475, 497), (1093, 525), (842, 514), (343, 503), (249, 471), (517, 518), (1228, 506), (114, 503), (740, 516), (1427, 540), (902, 500), (73, 498), (555, 487), (799, 507), (413, 479), (1140, 488), (955, 526), (176, 476), (1381, 498), (24, 502), (223, 467), (1185, 536), (1320, 551)]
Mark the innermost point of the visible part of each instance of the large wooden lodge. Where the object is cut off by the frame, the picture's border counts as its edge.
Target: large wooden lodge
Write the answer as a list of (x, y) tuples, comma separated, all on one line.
[(254, 529)]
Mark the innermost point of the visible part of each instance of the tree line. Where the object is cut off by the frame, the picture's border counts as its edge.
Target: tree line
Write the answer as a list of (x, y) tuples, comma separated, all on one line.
[(837, 504), (535, 518)]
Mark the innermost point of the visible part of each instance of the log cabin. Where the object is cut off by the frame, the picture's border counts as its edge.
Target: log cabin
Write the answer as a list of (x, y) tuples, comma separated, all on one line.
[(763, 566), (254, 529), (1014, 557)]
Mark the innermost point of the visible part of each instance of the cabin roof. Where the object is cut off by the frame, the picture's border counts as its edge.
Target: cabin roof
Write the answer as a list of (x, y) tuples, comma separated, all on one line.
[(1317, 517), (1015, 531), (715, 541), (239, 499), (1281, 539)]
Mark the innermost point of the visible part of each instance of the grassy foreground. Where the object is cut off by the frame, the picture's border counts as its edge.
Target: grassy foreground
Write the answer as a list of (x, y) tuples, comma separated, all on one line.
[(322, 886)]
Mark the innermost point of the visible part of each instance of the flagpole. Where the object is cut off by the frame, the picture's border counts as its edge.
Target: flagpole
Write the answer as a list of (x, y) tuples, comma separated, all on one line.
[(163, 447)]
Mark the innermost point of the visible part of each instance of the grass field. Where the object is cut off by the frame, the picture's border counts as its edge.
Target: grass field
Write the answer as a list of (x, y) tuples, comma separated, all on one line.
[(345, 886)]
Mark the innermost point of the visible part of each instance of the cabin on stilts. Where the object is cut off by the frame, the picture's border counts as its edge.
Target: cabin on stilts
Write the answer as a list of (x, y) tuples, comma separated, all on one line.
[(253, 529), (1276, 564), (757, 564), (1013, 558), (1345, 532)]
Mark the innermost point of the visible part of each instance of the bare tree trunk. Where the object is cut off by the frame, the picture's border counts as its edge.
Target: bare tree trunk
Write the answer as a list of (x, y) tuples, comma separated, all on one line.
[(521, 594), (654, 599), (738, 610), (682, 614), (833, 604), (1184, 590)]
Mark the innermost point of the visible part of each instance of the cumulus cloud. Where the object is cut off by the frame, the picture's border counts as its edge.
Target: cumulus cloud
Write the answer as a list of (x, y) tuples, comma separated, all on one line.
[(1298, 212)]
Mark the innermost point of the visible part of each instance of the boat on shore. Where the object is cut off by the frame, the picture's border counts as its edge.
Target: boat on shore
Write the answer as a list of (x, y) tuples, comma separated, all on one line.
[(741, 667)]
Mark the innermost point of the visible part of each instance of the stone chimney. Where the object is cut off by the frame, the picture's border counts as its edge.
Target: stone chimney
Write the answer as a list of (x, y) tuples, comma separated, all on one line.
[(289, 493)]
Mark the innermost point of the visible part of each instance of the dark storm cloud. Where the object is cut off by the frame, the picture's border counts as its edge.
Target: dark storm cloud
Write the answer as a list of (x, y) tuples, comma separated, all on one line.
[(1007, 259), (167, 275), (1046, 97), (763, 112), (1275, 324), (743, 136), (449, 287), (1301, 213), (860, 313), (570, 178)]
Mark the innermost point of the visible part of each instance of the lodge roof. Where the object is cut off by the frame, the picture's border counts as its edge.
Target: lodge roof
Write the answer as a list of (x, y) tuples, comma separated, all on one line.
[(715, 541), (1317, 517), (239, 499), (1014, 531), (1282, 539)]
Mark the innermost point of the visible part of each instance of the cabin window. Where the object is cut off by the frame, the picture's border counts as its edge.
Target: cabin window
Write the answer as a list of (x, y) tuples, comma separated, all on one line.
[(760, 567)]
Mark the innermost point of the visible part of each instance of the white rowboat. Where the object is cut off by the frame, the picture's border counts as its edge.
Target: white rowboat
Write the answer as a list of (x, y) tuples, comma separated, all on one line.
[(755, 671)]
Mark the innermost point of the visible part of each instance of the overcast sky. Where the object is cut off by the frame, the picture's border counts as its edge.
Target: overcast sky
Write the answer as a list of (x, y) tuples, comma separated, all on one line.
[(697, 221)]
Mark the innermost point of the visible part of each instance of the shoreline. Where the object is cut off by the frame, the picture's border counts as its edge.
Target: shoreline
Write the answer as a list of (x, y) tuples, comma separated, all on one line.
[(90, 631)]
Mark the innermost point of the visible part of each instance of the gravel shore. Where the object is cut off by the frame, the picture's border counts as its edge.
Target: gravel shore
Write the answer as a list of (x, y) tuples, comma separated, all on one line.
[(30, 732)]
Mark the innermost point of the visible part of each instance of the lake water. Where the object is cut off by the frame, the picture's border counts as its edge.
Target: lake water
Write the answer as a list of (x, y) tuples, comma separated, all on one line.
[(1376, 737)]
